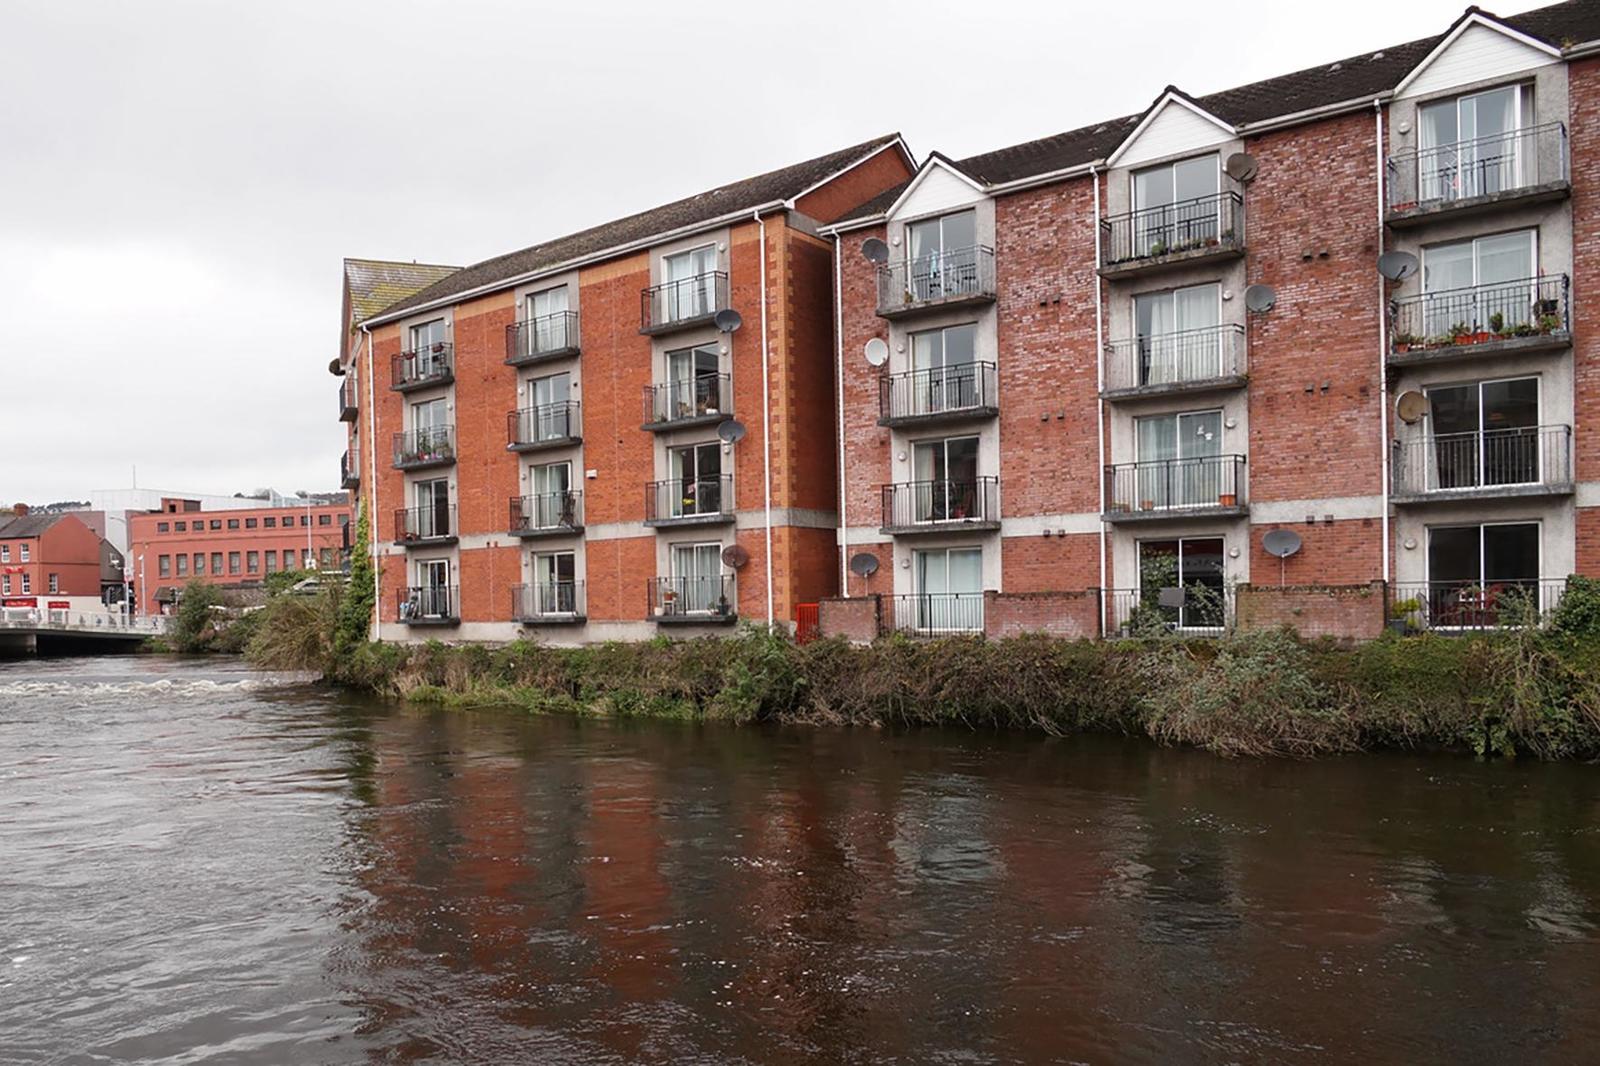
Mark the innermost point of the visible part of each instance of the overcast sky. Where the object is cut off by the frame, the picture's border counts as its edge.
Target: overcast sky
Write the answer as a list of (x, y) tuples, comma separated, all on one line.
[(179, 180)]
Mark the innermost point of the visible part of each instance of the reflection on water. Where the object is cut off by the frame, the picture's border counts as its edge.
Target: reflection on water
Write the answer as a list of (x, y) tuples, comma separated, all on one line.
[(205, 864)]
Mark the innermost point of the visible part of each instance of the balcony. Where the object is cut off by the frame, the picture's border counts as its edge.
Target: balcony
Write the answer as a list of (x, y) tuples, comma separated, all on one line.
[(912, 507), (675, 305), (550, 425), (542, 339), (550, 603), (1506, 318), (936, 614), (548, 514), (1191, 231), (1205, 486), (1473, 177), (430, 605), (943, 394), (423, 368), (419, 449), (1525, 461), (959, 277), (425, 527), (700, 401), (1196, 609), (348, 398), (694, 600), (1464, 606), (1194, 360), (349, 472), (704, 501)]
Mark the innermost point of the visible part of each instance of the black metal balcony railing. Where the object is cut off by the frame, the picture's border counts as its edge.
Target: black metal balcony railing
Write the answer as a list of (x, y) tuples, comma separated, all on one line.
[(348, 398), (424, 523), (1197, 608), (433, 365), (1188, 357), (677, 303), (1530, 158), (544, 337), (1526, 457), (937, 613), (949, 276), (349, 471), (1151, 233), (430, 603), (1516, 603), (946, 390), (548, 600), (1481, 314), (711, 598), (689, 498), (707, 396), (545, 424), (425, 447), (1198, 483), (917, 503), (546, 512)]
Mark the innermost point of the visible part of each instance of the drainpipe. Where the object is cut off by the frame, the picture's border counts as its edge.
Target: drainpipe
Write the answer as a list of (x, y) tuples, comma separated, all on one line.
[(838, 353), (766, 416), (372, 487), (1383, 350), (1099, 383)]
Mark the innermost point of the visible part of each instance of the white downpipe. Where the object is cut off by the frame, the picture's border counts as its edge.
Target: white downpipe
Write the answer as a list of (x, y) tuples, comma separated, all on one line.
[(766, 417), (1383, 352), (372, 487), (1099, 380), (838, 352)]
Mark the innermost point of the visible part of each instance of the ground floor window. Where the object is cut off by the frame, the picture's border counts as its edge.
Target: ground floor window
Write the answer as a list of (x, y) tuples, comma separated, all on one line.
[(1480, 571), (949, 589), (1181, 581)]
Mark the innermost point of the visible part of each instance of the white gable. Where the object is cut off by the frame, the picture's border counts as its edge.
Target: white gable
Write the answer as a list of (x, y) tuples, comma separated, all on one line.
[(935, 190), (1175, 127), (1478, 51)]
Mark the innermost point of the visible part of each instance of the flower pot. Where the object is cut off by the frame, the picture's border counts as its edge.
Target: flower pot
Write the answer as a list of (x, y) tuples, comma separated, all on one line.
[(1147, 505), (1482, 336), (1402, 347), (1227, 499)]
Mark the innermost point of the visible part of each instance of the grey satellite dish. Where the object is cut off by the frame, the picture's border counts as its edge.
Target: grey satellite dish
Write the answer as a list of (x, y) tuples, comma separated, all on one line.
[(731, 432), (735, 555), (1241, 167), (1260, 298), (863, 564), (1397, 266), (728, 320), (1281, 542), (876, 351), (875, 250), (1410, 406)]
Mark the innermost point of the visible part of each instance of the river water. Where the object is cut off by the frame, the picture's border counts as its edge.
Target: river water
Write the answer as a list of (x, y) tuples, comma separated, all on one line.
[(199, 863)]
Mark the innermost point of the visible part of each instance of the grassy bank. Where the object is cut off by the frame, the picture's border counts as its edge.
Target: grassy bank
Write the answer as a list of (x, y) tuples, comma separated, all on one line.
[(1513, 692)]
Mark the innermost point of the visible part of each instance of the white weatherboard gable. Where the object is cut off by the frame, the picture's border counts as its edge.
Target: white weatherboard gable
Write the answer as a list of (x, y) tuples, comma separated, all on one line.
[(1478, 50), (1174, 127), (939, 188)]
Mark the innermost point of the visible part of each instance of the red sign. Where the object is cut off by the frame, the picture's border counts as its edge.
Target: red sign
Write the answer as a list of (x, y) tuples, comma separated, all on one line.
[(28, 601), (59, 605)]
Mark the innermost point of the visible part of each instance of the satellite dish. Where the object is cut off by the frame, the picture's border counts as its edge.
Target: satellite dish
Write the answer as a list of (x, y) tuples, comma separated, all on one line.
[(1281, 542), (863, 564), (728, 320), (876, 351), (735, 555), (1397, 266), (731, 432), (1260, 298), (875, 250), (1241, 166), (1411, 406)]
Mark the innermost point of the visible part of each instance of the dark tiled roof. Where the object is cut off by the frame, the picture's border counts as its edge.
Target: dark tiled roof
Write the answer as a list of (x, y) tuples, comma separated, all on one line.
[(743, 195), (28, 525), (1360, 76), (376, 283)]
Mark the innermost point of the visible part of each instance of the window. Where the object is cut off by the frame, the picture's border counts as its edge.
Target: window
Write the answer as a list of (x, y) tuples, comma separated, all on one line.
[(163, 527), (5, 584), (1473, 145), (1475, 571), (55, 580), (430, 425), (693, 387), (555, 583), (431, 596), (272, 562), (181, 527), (269, 523), (216, 523), (233, 562), (1175, 205), (216, 563), (183, 565), (249, 523), (552, 504), (696, 583), (944, 371), (325, 559), (252, 562), (942, 255), (547, 414), (24, 551), (1484, 433), (308, 560), (696, 487), (1177, 334), (690, 284), (199, 563), (305, 520), (1193, 564), (324, 519), (164, 566), (946, 480), (5, 553), (27, 582), (1179, 460), (432, 501), (949, 589), (547, 322), (289, 558), (233, 523), (344, 519), (1468, 283), (428, 355)]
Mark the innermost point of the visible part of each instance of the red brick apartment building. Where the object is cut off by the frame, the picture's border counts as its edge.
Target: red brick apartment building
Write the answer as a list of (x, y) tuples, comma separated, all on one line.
[(615, 433), (48, 554), (1120, 358), (234, 549)]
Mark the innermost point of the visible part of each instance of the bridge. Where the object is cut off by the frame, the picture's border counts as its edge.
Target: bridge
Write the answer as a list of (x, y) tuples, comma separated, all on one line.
[(30, 631)]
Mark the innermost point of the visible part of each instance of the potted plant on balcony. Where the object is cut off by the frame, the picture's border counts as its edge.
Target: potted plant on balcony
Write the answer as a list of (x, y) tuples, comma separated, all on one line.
[(1158, 248), (1401, 613), (1497, 325), (1227, 499), (1404, 341), (1524, 329), (1549, 323), (1147, 505), (1460, 334)]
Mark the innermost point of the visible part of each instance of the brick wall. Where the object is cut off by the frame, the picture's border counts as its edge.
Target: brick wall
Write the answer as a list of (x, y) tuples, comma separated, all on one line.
[(1038, 563), (1583, 89), (855, 619), (1345, 612), (1348, 551), (866, 444), (1071, 615)]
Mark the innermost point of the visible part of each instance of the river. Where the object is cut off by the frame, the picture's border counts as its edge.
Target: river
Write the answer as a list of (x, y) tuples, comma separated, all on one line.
[(199, 863)]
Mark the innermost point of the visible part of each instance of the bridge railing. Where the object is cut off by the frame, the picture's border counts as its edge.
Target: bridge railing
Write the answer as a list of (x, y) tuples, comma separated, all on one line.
[(70, 621)]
